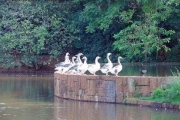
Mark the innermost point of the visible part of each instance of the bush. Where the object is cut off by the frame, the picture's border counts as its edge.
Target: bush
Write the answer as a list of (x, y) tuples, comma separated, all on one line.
[(170, 94)]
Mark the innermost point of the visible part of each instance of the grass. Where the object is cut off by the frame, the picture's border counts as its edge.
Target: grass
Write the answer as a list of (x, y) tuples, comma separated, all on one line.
[(169, 94)]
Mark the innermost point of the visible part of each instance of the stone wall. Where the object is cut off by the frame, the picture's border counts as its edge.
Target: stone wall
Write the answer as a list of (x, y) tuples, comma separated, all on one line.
[(103, 88)]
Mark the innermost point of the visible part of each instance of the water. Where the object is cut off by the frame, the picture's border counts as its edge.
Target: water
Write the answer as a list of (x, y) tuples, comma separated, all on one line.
[(32, 98), (154, 69)]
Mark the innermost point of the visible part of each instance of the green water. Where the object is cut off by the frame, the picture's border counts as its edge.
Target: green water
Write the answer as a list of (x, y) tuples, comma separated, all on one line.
[(32, 98), (154, 69)]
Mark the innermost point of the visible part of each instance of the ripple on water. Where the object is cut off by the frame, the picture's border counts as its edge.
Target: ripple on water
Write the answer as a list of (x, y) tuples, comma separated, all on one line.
[(13, 107), (2, 108), (2, 103), (6, 114)]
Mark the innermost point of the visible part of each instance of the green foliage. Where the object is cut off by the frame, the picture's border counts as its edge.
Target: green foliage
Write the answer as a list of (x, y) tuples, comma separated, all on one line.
[(158, 94), (141, 32), (135, 29), (174, 54), (93, 45), (100, 14), (171, 93), (145, 36), (31, 29)]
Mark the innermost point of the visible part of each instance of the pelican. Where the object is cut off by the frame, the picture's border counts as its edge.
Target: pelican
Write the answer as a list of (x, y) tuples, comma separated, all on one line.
[(105, 69), (66, 61), (116, 69), (60, 66), (83, 68), (78, 62), (66, 67), (93, 68)]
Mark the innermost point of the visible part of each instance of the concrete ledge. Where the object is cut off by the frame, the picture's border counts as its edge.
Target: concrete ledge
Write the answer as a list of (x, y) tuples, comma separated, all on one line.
[(111, 89)]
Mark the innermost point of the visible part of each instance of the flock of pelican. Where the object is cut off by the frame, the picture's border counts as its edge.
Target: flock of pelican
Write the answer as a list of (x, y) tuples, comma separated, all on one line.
[(76, 66)]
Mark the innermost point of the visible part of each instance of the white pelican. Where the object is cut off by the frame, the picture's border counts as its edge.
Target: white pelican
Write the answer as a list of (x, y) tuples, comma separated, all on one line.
[(116, 69), (93, 68), (66, 67), (66, 61), (108, 66), (78, 62), (83, 68)]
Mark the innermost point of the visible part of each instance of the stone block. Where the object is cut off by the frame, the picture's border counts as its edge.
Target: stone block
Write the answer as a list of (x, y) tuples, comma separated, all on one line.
[(134, 102), (91, 92), (70, 77), (99, 83), (119, 97), (164, 105), (153, 84), (176, 107), (91, 98), (137, 80), (107, 99), (167, 105), (131, 84), (83, 83), (91, 84), (70, 89), (92, 77), (63, 82), (100, 92), (145, 81), (76, 78), (159, 82), (125, 81), (119, 85), (65, 77), (131, 101), (125, 89), (143, 90), (104, 77), (156, 104), (56, 74), (76, 88)]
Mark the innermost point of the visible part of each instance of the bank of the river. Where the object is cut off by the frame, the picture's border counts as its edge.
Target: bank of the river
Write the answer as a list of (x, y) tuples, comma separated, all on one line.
[(26, 70), (148, 103)]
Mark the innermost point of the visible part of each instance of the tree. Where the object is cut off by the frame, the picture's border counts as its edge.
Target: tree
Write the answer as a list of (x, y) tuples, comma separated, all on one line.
[(141, 30), (32, 29)]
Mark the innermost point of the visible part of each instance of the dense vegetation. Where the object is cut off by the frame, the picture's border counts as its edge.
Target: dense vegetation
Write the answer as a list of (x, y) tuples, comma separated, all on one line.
[(168, 94), (138, 30)]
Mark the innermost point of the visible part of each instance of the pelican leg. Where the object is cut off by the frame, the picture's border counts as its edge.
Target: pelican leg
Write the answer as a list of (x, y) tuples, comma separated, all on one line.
[(94, 74), (107, 74)]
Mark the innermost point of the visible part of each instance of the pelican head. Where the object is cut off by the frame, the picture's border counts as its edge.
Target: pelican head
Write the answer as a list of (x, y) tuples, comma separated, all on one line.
[(120, 57), (98, 57), (109, 54), (84, 57), (67, 54), (79, 54), (73, 57)]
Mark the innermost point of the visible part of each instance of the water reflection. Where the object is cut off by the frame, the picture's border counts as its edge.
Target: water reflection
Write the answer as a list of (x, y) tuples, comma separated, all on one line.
[(35, 88), (32, 98), (153, 69), (74, 110)]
